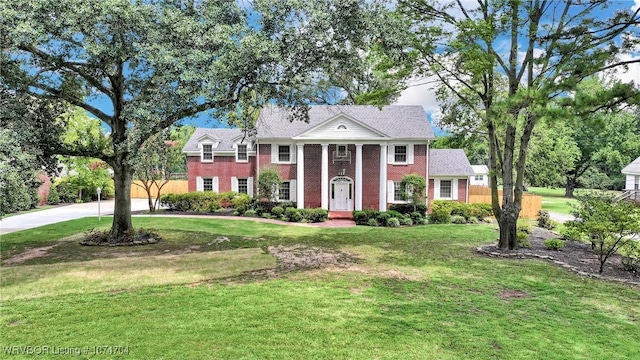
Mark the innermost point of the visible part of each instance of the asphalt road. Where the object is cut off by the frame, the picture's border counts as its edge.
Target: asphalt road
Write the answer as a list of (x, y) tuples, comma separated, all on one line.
[(63, 213)]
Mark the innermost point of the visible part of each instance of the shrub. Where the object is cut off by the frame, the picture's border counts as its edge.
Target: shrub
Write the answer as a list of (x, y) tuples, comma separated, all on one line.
[(393, 222), (241, 200), (440, 216), (277, 211), (408, 208), (522, 234), (192, 201), (458, 219), (266, 215), (383, 217), (315, 215), (406, 221), (480, 211), (250, 213), (416, 216), (630, 256), (362, 217), (293, 214), (544, 220), (226, 197), (473, 220), (554, 244), (372, 222), (395, 214), (53, 198), (570, 234)]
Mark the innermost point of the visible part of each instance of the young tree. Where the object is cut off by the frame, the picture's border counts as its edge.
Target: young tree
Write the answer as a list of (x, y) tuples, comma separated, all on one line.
[(157, 62), (156, 162), (268, 183), (500, 63), (412, 188), (610, 224)]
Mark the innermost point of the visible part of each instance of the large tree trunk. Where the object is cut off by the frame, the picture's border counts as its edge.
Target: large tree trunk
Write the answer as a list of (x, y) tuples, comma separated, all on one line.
[(570, 186), (508, 222), (122, 176)]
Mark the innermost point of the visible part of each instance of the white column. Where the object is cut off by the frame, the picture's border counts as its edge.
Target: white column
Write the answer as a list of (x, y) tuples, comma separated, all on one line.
[(359, 178), (324, 174), (300, 176), (383, 177)]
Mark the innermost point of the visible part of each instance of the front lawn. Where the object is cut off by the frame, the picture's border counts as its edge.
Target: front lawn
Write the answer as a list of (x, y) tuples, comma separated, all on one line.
[(209, 291)]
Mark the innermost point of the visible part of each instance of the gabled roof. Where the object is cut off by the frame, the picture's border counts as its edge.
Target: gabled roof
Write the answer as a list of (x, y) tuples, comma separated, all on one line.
[(480, 169), (449, 162), (395, 121), (633, 168), (225, 136)]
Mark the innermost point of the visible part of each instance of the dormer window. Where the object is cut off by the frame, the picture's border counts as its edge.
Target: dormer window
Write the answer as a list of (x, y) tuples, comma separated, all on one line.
[(241, 153), (207, 152)]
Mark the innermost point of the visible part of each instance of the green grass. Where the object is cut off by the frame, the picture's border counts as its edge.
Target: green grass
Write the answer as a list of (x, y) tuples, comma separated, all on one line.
[(415, 293), (553, 200)]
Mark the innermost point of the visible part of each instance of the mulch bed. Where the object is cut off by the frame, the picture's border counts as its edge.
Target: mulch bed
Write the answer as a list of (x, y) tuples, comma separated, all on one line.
[(575, 256)]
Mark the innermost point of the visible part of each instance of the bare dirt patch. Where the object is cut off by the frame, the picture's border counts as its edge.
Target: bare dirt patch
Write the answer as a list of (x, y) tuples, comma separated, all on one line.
[(575, 256), (513, 294), (29, 254)]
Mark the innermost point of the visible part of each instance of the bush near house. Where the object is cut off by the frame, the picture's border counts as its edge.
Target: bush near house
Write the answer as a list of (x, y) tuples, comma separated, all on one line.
[(371, 217), (442, 212)]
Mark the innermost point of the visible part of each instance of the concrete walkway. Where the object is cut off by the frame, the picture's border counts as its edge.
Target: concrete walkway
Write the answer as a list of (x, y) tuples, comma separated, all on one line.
[(63, 213)]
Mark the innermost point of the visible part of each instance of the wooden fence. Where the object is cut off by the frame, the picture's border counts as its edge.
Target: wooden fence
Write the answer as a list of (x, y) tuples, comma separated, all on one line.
[(173, 186), (531, 204)]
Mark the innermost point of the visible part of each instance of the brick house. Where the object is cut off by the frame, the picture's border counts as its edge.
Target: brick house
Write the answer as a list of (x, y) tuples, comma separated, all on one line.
[(344, 158)]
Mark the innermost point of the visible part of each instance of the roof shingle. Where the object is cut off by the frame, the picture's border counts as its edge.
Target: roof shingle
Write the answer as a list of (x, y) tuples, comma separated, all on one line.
[(449, 162)]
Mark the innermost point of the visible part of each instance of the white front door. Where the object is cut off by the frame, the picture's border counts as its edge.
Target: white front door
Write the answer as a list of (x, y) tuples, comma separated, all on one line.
[(341, 194)]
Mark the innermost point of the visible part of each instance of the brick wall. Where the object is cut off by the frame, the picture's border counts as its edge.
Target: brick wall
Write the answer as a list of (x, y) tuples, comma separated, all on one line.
[(224, 167)]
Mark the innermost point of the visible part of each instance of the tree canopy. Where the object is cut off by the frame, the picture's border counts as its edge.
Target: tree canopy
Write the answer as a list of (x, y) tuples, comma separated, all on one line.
[(500, 63)]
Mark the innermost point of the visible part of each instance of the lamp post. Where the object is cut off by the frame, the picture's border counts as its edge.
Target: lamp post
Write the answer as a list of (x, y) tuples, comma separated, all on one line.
[(99, 191)]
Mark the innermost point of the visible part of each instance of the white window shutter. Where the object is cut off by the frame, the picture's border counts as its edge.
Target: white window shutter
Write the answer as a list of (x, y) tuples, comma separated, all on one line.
[(199, 184), (409, 153), (436, 189), (391, 154), (250, 186), (390, 191), (292, 190), (234, 184), (454, 189), (215, 184), (274, 153), (293, 151)]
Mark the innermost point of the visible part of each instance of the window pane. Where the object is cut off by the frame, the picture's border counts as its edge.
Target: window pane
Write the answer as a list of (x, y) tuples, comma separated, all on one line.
[(207, 184), (242, 186), (207, 152), (242, 152), (284, 153), (285, 191), (400, 154), (397, 194), (445, 188)]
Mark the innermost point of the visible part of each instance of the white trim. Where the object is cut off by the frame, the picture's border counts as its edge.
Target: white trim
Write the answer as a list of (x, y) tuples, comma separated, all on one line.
[(454, 189), (359, 180), (382, 206), (391, 189), (237, 147), (350, 185), (409, 155), (215, 184), (199, 183), (202, 145), (275, 153), (234, 184), (324, 177), (300, 176), (250, 186), (292, 190)]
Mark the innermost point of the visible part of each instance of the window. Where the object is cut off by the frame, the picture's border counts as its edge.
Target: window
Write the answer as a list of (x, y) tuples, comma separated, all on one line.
[(400, 154), (242, 153), (445, 188), (285, 191), (479, 177), (207, 152), (342, 127), (397, 194), (284, 153), (243, 186), (207, 184), (342, 151)]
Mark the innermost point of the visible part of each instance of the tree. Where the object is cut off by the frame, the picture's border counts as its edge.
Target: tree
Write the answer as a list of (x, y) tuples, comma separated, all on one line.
[(552, 153), (412, 188), (268, 183), (156, 162), (610, 224), (500, 63), (158, 62)]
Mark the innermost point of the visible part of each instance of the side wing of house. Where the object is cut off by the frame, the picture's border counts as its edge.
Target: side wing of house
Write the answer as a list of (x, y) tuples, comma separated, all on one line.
[(632, 172), (449, 172), (480, 176), (220, 160)]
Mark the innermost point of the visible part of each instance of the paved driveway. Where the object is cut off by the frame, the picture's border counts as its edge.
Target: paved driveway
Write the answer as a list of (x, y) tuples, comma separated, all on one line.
[(63, 213)]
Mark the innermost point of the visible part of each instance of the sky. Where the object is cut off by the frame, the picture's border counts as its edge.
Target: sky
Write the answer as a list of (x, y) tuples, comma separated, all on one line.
[(419, 93)]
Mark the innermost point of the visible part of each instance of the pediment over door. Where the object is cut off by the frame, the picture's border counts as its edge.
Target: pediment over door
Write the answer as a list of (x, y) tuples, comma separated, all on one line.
[(342, 127)]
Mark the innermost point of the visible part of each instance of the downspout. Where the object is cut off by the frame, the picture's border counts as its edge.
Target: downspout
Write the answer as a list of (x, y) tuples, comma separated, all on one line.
[(427, 190), (257, 168)]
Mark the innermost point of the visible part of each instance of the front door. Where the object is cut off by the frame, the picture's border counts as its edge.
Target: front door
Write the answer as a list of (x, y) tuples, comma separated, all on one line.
[(341, 194)]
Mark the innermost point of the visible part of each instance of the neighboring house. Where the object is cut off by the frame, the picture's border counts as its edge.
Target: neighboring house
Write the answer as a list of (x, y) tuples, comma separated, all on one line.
[(480, 175), (449, 171), (344, 158), (632, 171)]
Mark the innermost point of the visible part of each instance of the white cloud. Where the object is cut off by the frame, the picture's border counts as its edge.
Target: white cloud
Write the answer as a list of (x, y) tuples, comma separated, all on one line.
[(636, 5), (421, 92)]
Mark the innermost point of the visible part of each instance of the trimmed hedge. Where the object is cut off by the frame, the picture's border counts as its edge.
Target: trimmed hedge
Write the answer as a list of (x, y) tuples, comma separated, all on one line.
[(391, 218), (442, 212)]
